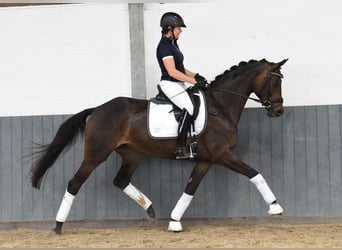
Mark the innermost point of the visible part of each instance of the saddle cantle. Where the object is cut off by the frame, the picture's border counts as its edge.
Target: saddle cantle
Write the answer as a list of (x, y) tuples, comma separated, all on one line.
[(163, 116), (162, 99)]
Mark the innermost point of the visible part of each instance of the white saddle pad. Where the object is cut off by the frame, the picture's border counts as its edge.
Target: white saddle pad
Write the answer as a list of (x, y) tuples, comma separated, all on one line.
[(162, 122)]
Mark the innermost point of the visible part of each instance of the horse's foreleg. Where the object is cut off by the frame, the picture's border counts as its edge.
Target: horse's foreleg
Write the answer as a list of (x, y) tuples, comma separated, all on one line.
[(131, 160), (267, 194), (258, 180), (184, 201)]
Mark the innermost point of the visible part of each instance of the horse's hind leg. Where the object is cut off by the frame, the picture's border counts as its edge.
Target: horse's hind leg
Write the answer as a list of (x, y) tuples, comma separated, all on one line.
[(96, 151), (199, 171), (74, 186), (232, 162), (130, 161)]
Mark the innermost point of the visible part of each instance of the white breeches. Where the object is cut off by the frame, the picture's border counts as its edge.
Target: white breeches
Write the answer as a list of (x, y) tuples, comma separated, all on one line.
[(175, 91)]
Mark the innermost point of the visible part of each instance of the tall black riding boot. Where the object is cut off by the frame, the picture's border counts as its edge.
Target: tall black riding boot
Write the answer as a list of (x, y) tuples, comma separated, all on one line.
[(182, 151)]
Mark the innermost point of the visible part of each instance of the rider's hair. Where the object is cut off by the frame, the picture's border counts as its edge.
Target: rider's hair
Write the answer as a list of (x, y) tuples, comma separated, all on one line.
[(165, 30)]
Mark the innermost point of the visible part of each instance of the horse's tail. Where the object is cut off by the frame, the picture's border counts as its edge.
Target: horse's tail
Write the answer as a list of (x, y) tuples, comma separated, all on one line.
[(64, 138)]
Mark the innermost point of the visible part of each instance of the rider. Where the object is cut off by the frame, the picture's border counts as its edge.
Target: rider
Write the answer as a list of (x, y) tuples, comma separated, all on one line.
[(174, 74)]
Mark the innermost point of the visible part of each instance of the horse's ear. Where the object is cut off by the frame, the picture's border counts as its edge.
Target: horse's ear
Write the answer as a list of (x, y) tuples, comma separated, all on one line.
[(279, 64)]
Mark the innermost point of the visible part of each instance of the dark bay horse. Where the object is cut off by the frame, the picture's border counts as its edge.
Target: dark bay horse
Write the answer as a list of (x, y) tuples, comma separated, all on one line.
[(120, 125)]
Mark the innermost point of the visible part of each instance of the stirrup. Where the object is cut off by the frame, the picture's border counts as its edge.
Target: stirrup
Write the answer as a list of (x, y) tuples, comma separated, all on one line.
[(193, 149), (182, 153), (186, 152)]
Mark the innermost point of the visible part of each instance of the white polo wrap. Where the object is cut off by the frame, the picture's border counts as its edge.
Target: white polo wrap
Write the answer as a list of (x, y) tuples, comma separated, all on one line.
[(182, 204), (263, 188), (137, 196), (65, 207)]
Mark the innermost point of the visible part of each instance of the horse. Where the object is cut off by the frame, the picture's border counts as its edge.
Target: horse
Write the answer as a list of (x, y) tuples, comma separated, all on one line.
[(120, 125)]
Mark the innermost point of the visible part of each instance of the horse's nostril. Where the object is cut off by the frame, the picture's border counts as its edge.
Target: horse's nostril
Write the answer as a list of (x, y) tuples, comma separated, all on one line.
[(279, 112), (275, 113)]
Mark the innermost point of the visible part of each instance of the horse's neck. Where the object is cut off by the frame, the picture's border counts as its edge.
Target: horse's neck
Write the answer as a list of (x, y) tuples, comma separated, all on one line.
[(230, 105)]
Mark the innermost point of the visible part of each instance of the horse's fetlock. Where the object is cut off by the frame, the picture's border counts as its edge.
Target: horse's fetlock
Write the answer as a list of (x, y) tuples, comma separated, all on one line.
[(73, 187), (120, 183)]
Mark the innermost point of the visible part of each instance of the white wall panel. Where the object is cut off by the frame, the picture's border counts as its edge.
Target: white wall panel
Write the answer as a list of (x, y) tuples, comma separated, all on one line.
[(62, 59), (221, 34)]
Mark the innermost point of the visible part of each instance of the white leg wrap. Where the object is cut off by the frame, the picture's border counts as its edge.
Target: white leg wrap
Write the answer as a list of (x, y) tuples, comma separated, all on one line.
[(182, 204), (137, 196), (263, 188), (65, 207)]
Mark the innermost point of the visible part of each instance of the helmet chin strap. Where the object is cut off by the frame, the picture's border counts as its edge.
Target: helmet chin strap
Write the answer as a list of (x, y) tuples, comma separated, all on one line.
[(173, 34)]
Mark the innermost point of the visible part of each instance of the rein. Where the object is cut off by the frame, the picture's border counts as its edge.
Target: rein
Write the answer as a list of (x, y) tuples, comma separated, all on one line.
[(236, 94)]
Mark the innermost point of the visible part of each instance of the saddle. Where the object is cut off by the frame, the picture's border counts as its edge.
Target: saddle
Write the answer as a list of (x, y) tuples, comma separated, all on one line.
[(164, 116)]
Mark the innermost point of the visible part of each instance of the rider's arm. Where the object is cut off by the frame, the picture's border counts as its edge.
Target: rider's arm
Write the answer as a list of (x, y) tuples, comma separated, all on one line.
[(170, 66), (190, 73)]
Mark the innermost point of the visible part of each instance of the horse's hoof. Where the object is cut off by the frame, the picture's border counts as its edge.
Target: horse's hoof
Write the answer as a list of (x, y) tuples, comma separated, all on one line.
[(275, 209), (57, 231), (151, 215), (175, 226), (58, 228)]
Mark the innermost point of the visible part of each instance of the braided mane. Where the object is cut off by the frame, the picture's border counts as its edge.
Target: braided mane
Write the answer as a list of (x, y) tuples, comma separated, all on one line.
[(236, 69)]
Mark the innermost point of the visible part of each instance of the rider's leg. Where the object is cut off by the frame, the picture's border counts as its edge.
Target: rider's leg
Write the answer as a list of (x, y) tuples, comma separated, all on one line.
[(182, 151), (176, 92)]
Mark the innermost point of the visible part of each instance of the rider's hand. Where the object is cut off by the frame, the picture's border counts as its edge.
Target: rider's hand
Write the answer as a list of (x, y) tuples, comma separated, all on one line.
[(201, 82), (199, 77)]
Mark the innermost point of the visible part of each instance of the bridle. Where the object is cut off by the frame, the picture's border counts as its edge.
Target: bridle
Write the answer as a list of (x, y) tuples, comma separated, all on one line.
[(267, 85), (267, 103)]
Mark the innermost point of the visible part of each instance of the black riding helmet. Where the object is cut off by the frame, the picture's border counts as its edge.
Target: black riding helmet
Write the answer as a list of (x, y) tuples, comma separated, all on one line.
[(171, 19)]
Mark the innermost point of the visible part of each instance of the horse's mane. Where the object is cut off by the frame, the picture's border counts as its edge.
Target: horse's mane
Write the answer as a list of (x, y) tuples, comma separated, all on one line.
[(236, 70)]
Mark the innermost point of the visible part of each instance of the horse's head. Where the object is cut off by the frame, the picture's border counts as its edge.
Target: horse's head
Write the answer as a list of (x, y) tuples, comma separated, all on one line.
[(261, 77), (267, 86)]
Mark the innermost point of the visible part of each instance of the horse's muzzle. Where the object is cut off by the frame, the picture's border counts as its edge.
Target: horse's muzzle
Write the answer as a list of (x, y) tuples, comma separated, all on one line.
[(275, 112)]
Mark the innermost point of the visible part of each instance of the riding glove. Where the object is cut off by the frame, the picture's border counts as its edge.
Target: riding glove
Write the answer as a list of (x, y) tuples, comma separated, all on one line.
[(201, 82)]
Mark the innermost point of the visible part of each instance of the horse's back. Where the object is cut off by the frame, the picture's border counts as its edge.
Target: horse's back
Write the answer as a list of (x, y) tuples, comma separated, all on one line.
[(111, 121), (120, 106), (117, 111)]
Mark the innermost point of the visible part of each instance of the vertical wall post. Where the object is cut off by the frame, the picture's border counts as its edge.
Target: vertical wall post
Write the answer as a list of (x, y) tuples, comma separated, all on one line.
[(136, 32)]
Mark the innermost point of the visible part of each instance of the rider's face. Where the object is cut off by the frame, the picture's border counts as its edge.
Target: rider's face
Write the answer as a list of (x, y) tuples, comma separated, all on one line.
[(177, 31)]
